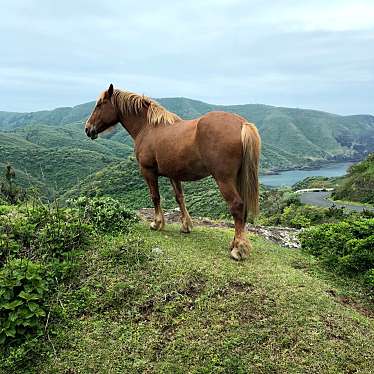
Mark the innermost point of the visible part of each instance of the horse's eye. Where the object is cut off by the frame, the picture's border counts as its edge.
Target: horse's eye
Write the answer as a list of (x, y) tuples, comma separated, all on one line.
[(98, 105)]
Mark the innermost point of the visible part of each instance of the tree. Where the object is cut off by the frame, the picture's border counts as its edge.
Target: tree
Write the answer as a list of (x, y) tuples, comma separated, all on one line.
[(8, 188)]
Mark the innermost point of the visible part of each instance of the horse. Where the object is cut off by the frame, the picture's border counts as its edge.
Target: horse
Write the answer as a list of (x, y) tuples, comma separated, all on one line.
[(223, 145)]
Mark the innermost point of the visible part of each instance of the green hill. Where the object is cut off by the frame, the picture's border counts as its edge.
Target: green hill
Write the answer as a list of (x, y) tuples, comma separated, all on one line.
[(292, 138), (358, 184), (124, 182), (192, 310), (56, 117), (304, 135), (56, 158), (163, 302)]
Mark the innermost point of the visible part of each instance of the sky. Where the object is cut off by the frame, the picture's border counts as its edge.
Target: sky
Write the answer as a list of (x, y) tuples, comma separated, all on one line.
[(306, 54)]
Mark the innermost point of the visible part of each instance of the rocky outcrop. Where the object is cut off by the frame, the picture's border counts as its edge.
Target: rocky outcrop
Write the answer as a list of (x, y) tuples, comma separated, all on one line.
[(284, 236)]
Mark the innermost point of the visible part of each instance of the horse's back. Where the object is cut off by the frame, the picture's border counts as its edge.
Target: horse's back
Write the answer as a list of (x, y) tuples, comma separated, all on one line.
[(193, 149)]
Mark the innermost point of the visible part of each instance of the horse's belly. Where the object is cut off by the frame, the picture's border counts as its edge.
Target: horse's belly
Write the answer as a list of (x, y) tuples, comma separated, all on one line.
[(181, 165)]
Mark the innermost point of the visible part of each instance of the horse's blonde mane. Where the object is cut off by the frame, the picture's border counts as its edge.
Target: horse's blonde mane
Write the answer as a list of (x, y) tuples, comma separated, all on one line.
[(130, 103)]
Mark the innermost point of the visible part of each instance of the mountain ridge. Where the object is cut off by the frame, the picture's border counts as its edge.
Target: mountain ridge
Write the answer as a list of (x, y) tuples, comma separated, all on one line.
[(85, 108), (291, 138)]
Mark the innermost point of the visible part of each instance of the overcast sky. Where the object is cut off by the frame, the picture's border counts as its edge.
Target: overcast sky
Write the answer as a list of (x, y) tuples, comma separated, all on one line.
[(309, 54)]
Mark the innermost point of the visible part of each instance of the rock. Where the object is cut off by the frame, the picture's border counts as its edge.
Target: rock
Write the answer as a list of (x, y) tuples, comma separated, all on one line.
[(157, 251), (284, 236)]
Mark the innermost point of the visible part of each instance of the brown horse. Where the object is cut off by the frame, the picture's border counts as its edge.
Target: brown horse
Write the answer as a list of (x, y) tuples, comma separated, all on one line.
[(220, 144)]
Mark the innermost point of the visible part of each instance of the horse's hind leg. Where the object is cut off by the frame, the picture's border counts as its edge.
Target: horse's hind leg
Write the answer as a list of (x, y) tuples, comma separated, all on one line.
[(152, 181), (240, 247), (185, 217)]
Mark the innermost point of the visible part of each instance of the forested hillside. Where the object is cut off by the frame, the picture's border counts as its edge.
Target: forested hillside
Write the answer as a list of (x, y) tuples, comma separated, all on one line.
[(358, 184), (124, 182), (51, 149)]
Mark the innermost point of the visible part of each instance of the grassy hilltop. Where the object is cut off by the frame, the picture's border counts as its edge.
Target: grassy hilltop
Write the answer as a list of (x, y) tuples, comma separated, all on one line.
[(190, 309), (112, 296)]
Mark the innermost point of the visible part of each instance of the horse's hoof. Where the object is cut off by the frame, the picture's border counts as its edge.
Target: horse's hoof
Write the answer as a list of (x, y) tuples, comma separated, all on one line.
[(245, 248), (157, 226), (240, 249), (186, 229), (235, 254)]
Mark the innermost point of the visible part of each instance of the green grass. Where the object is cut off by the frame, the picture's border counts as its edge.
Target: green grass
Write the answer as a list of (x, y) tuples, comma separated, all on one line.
[(358, 184), (192, 309), (351, 202)]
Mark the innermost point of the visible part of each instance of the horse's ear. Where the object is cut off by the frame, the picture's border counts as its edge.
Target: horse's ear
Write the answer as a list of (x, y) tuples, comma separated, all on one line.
[(110, 90)]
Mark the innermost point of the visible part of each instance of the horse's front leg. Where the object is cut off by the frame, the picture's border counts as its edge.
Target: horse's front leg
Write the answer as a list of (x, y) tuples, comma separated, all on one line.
[(185, 217), (152, 180)]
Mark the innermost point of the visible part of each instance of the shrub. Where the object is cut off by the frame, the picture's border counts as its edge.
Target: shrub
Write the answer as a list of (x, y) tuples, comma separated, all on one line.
[(347, 246), (369, 278), (9, 191), (22, 293), (300, 216), (358, 185), (61, 234), (41, 232), (106, 214)]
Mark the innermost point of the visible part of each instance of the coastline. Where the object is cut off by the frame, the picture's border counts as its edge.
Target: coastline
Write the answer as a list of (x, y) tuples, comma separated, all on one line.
[(319, 165)]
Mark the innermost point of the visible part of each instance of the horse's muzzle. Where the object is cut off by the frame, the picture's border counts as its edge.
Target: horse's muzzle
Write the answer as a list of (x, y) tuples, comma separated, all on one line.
[(90, 133)]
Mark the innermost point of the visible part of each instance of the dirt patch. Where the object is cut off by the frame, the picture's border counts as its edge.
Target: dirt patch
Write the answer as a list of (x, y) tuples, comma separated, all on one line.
[(350, 303), (234, 287), (248, 302), (284, 236), (300, 265), (333, 331), (187, 294)]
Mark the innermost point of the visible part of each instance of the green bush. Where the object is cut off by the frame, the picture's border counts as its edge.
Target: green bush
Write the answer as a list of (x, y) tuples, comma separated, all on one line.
[(303, 216), (63, 233), (16, 235), (22, 300), (369, 278), (106, 214), (358, 185), (41, 231), (347, 246), (38, 244)]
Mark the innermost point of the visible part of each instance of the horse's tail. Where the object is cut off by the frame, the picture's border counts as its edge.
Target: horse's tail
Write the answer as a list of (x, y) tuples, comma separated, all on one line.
[(248, 184)]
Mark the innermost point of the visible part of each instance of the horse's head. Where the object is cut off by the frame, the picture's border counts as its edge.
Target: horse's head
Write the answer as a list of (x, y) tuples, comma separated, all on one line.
[(103, 116)]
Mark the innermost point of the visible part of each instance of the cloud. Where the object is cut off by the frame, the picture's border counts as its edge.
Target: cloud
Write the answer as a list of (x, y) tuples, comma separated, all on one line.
[(287, 53)]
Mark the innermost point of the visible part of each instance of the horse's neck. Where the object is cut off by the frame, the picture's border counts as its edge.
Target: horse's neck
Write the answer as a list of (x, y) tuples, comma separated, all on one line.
[(134, 124)]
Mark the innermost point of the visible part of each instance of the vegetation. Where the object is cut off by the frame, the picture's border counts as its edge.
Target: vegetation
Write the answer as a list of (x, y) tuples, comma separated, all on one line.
[(8, 188), (105, 214), (347, 246), (124, 182), (89, 277), (22, 300), (140, 301), (316, 182), (54, 159), (291, 138), (358, 185), (283, 208), (40, 247)]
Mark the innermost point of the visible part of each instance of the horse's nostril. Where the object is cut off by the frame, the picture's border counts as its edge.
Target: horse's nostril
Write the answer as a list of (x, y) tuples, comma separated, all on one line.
[(86, 130)]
